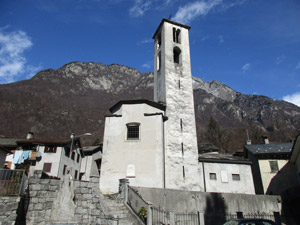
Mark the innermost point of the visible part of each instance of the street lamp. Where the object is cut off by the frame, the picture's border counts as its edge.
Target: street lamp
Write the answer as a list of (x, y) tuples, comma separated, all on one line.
[(73, 136)]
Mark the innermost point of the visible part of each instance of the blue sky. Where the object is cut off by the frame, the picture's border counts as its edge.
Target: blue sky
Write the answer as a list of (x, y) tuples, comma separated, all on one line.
[(253, 46)]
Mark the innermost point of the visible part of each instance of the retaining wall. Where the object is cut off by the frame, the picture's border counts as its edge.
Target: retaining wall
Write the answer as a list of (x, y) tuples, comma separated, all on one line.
[(50, 202), (192, 201), (8, 209)]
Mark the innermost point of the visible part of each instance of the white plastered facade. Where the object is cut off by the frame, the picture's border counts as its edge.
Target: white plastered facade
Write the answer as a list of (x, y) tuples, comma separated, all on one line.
[(224, 181), (58, 160), (141, 161), (265, 170)]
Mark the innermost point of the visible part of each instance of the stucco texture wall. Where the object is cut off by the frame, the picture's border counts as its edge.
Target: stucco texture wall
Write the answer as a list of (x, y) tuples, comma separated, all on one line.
[(173, 85), (140, 160), (243, 186), (265, 171)]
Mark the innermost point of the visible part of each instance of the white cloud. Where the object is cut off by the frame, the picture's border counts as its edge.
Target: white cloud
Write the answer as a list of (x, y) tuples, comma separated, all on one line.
[(146, 65), (280, 59), (298, 65), (145, 41), (204, 38), (190, 11), (12, 59), (246, 67), (221, 39), (293, 98), (139, 8), (167, 2)]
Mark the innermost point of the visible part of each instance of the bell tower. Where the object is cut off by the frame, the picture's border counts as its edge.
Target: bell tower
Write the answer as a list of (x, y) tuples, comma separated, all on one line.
[(173, 87)]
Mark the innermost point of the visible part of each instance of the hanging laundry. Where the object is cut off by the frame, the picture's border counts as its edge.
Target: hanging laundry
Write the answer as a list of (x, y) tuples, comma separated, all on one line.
[(18, 157), (26, 154), (32, 156)]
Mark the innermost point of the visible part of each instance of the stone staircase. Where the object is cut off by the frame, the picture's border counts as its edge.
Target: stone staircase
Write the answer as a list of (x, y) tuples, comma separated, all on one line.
[(115, 209)]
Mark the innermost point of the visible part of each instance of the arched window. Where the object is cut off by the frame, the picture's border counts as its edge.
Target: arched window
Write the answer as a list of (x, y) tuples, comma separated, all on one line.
[(158, 66), (176, 35), (177, 55), (133, 131), (158, 41)]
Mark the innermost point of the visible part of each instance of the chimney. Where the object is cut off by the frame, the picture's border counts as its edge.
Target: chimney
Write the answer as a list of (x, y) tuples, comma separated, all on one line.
[(248, 142), (29, 135), (265, 139)]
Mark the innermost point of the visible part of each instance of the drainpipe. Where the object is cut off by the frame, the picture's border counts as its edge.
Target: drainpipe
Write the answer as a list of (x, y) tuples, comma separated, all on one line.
[(203, 177), (62, 149)]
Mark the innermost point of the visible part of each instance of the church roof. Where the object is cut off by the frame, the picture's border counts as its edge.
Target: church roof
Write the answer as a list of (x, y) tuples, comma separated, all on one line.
[(137, 101), (172, 22)]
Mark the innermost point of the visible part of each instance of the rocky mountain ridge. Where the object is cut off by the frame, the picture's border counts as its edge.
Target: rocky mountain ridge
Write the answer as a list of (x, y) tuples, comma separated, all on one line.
[(77, 96)]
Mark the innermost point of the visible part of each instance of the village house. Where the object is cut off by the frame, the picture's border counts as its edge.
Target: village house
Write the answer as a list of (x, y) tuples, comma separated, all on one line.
[(267, 159), (7, 147), (225, 173), (51, 155), (91, 162)]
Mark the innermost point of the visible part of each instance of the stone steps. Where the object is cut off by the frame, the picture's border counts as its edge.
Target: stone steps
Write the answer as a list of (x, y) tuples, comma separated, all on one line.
[(117, 209)]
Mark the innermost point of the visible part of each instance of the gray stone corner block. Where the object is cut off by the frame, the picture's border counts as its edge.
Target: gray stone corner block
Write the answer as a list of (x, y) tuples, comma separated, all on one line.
[(55, 182), (83, 184), (35, 187), (45, 181), (95, 179)]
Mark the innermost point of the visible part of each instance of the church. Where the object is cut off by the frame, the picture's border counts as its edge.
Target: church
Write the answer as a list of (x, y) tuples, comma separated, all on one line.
[(154, 143)]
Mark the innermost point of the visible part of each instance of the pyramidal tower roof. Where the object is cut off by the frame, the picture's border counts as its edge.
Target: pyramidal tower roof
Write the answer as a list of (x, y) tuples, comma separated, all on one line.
[(169, 21)]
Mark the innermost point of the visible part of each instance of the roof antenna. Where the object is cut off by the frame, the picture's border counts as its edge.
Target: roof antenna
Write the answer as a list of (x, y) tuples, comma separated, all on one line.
[(248, 139)]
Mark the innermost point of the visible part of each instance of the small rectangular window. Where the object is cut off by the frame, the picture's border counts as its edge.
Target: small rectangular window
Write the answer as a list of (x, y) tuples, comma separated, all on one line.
[(274, 166), (47, 167), (64, 171), (76, 174), (73, 156), (50, 149), (176, 35), (213, 176), (236, 177), (67, 151), (78, 157), (181, 125), (133, 131)]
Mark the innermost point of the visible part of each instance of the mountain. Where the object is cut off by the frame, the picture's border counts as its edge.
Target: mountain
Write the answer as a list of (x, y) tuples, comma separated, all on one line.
[(76, 97)]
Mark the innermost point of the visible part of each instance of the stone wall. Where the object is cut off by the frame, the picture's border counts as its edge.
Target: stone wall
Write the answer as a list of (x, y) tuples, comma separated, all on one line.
[(8, 209), (55, 201)]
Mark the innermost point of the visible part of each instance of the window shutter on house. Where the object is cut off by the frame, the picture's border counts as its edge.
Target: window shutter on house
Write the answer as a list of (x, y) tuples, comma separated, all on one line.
[(47, 167)]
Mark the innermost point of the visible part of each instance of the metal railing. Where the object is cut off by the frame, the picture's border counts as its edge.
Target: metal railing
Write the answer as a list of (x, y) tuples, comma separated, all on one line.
[(260, 215), (12, 182), (187, 219), (160, 216)]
